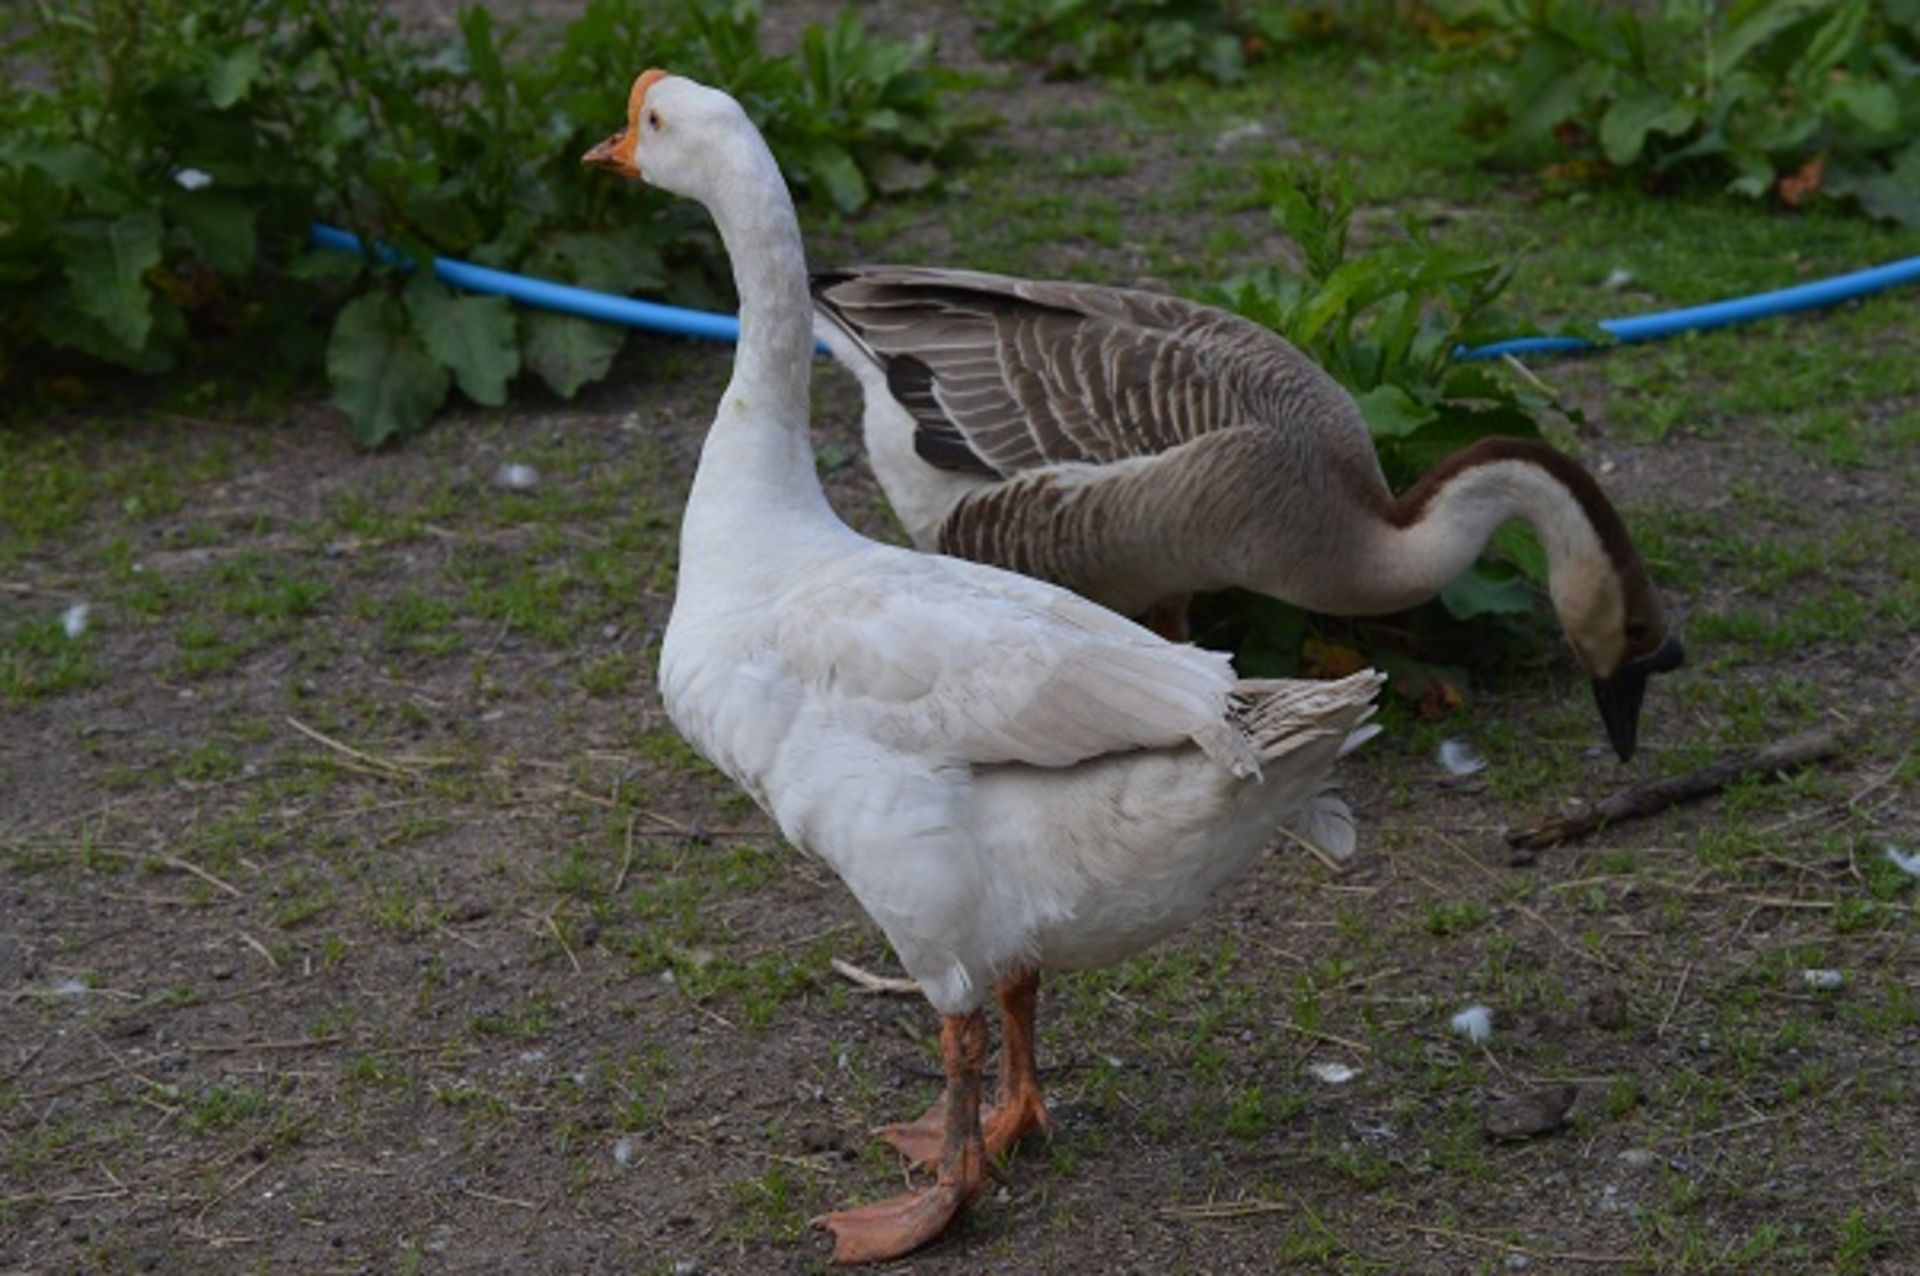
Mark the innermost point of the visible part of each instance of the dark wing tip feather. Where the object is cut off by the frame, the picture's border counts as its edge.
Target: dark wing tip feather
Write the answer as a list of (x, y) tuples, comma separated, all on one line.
[(937, 440), (822, 281)]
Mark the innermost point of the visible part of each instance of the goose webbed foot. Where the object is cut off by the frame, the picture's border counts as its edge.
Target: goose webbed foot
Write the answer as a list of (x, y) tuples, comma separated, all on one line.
[(921, 1141), (890, 1228)]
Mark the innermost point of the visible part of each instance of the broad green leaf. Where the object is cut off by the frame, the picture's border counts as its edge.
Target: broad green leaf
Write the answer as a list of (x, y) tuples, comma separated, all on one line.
[(62, 324), (1755, 173), (832, 169), (1391, 412), (1517, 543), (1875, 106), (106, 263), (1750, 23), (232, 75), (567, 351), (1485, 591), (1348, 279), (1892, 195), (1830, 45), (220, 226), (474, 336), (1643, 110), (615, 262), (382, 377)]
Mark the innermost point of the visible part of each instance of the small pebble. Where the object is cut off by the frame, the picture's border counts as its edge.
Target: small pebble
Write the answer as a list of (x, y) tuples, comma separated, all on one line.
[(1823, 980), (516, 476), (74, 619), (1636, 1158), (71, 988), (1517, 1262), (1457, 757), (1250, 130), (1333, 1073), (1475, 1023), (623, 1151), (1526, 1115), (687, 1267)]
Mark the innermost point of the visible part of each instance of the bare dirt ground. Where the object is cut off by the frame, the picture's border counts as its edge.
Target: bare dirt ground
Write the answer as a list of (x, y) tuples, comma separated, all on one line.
[(359, 912)]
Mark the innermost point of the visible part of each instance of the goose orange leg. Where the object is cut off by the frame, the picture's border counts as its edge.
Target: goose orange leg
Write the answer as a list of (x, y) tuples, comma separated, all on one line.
[(1016, 1113), (890, 1228)]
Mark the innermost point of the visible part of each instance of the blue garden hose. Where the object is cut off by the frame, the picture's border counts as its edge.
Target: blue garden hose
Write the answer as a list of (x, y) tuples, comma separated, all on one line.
[(585, 302), (682, 322), (1717, 314)]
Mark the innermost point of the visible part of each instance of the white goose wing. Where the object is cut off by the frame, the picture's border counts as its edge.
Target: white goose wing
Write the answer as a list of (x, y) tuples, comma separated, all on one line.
[(963, 663)]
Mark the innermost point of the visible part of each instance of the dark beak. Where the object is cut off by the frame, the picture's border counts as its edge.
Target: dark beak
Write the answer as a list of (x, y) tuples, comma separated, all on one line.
[(1620, 693)]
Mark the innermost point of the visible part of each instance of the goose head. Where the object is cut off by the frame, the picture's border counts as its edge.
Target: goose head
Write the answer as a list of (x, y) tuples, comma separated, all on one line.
[(675, 138), (1618, 631)]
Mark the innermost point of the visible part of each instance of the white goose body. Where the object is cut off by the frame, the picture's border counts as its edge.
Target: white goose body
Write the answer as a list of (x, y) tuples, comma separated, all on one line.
[(1003, 775), (1006, 776), (1140, 448)]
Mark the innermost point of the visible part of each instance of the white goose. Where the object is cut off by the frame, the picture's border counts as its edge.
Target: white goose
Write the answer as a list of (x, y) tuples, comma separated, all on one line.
[(1139, 448), (1007, 777)]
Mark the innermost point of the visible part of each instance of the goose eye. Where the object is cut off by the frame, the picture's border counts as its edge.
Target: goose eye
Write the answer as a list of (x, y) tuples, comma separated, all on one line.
[(653, 120)]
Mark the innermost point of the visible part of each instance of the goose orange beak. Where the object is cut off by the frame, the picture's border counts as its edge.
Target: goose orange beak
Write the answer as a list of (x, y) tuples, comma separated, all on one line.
[(615, 154)]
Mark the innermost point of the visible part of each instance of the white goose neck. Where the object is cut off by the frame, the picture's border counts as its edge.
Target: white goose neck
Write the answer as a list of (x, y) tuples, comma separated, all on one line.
[(758, 457), (757, 224)]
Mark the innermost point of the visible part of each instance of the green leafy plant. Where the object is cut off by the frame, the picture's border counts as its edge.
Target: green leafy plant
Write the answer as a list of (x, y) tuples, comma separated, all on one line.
[(161, 173), (1796, 97), (1385, 323), (1147, 39)]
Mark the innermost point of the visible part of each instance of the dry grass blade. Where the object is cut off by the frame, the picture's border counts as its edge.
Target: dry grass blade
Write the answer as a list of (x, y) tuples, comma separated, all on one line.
[(866, 981)]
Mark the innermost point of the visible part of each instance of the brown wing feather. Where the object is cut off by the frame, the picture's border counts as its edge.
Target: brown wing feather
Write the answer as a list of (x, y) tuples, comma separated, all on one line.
[(1012, 374)]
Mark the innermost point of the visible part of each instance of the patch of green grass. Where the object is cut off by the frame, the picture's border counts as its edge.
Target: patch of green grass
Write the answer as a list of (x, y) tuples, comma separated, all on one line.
[(413, 621), (1858, 1237), (208, 760), (528, 596), (205, 648), (529, 1019), (220, 1107), (38, 659), (607, 676), (279, 601), (1453, 917), (773, 1205)]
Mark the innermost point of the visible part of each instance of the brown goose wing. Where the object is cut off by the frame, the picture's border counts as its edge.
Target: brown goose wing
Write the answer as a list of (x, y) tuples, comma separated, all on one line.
[(1003, 375)]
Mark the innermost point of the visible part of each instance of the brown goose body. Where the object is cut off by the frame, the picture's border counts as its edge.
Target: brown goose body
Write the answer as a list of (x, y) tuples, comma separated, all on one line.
[(1139, 448)]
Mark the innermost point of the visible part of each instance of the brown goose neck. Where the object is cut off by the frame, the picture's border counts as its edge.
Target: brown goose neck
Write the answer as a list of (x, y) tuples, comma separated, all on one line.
[(1418, 501)]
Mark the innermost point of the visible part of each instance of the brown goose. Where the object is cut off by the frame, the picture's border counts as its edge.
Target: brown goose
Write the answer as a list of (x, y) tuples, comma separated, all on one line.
[(1138, 448)]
